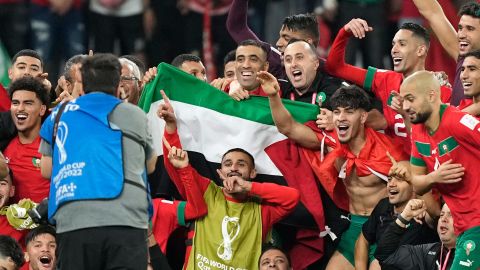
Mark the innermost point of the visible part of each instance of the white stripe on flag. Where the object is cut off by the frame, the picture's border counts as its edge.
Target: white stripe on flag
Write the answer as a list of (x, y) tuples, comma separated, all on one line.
[(212, 134)]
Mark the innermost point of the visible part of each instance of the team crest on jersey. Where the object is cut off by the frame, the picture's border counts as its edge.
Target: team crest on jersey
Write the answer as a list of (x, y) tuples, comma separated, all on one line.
[(469, 121), (469, 246), (36, 162)]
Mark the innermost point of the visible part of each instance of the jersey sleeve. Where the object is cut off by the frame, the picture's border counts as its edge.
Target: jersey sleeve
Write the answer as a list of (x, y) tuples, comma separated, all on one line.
[(184, 175), (466, 129), (277, 201), (195, 186), (336, 65), (377, 81)]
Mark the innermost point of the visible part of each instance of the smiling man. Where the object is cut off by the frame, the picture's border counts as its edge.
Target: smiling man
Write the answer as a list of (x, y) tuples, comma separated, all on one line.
[(445, 155), (41, 246), (29, 100), (470, 76)]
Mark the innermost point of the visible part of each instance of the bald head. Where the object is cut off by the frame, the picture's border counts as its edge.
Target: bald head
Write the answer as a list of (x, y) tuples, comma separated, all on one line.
[(421, 83), (421, 95)]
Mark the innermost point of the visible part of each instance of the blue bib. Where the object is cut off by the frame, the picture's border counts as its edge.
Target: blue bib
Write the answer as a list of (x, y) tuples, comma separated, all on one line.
[(87, 155)]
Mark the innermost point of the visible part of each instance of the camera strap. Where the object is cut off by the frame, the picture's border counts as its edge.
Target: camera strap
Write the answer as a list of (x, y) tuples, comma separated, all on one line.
[(57, 119)]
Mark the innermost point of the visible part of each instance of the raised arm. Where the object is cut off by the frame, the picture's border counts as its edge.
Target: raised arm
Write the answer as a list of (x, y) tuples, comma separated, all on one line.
[(443, 29), (277, 201), (284, 121), (336, 65), (237, 22), (172, 152)]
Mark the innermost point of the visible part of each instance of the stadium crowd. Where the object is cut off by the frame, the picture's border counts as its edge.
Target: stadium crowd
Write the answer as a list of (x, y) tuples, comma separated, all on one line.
[(297, 156)]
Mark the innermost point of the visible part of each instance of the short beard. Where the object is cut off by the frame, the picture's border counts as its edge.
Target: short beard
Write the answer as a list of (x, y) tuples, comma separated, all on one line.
[(421, 117)]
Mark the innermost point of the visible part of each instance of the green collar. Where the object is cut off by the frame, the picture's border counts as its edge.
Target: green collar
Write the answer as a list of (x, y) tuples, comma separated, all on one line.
[(443, 107)]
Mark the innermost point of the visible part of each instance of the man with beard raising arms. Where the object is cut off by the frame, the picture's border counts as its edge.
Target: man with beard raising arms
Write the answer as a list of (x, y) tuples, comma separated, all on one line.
[(445, 155), (359, 160)]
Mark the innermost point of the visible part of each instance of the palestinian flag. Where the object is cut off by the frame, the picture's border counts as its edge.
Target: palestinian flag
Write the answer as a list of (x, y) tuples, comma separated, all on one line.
[(210, 123)]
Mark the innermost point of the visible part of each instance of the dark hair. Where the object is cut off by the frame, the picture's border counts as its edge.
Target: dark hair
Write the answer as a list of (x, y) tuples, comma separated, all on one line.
[(180, 59), (136, 61), (42, 229), (256, 43), (313, 49), (350, 96), (475, 54), (268, 247), (31, 84), (241, 151), (470, 9), (306, 23), (101, 72), (9, 247), (229, 57), (418, 31), (28, 52), (69, 64)]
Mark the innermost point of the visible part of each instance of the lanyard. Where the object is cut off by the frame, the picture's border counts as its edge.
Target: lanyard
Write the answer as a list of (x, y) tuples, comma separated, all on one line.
[(445, 262), (314, 97)]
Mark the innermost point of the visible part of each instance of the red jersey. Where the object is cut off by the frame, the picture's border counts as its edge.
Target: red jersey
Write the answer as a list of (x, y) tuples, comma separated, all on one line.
[(165, 220), (24, 161), (457, 138), (464, 103), (4, 99), (7, 229), (382, 83)]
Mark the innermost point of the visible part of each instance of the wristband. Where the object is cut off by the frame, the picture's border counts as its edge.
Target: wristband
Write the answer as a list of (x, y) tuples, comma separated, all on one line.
[(403, 220)]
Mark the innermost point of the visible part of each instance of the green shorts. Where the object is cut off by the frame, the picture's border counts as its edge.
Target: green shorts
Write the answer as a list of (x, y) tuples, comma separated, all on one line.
[(467, 250), (347, 242)]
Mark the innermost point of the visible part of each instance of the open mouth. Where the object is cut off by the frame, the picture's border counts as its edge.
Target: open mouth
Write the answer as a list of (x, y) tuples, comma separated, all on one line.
[(342, 129), (397, 60), (443, 229), (467, 84), (463, 45), (393, 192), (297, 74), (46, 261), (21, 116), (247, 74)]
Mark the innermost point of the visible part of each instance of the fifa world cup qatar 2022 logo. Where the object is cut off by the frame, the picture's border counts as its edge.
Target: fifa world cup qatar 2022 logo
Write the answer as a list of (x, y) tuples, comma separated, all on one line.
[(62, 133), (228, 237)]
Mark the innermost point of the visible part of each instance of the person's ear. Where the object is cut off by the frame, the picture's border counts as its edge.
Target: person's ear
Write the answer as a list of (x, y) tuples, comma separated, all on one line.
[(43, 109), (253, 173)]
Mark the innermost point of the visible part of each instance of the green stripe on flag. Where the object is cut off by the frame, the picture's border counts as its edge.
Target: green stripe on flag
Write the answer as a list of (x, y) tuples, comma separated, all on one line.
[(4, 65), (183, 87), (447, 145), (423, 148)]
